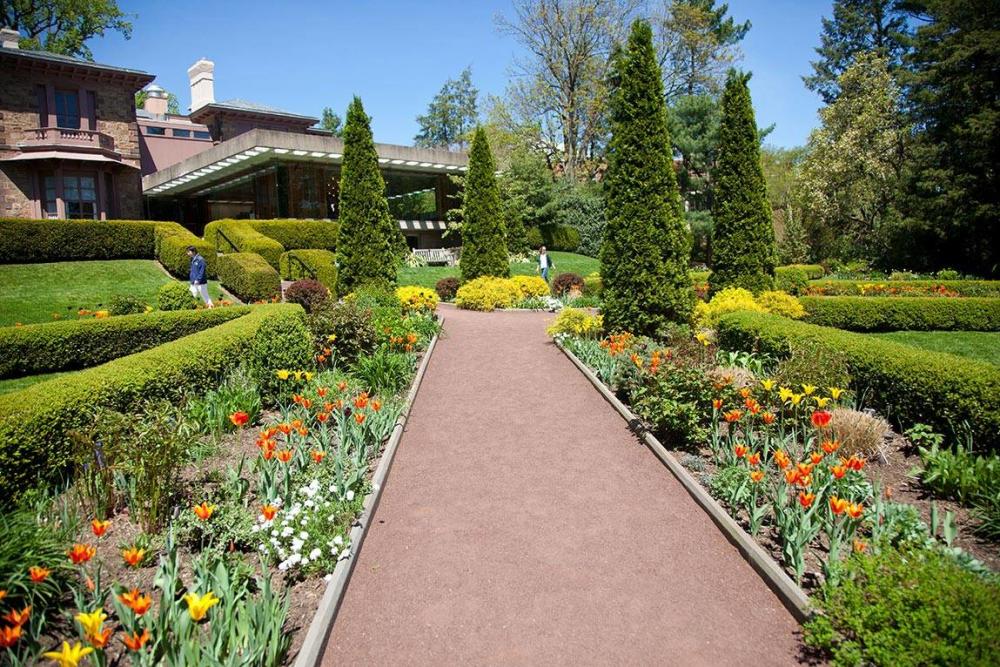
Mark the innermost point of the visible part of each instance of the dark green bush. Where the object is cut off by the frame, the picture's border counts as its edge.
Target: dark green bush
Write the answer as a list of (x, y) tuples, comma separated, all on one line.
[(904, 383), (70, 344), (484, 233), (790, 279), (988, 288), (28, 241), (350, 325), (300, 234), (907, 608), (813, 271), (223, 235), (858, 313), (125, 304), (35, 422), (175, 295), (318, 264), (249, 276), (554, 237), (171, 244)]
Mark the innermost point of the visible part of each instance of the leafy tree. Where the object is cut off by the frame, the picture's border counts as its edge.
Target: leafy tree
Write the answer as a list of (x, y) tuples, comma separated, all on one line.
[(173, 104), (63, 26), (579, 205), (694, 129), (858, 26), (952, 183), (743, 252), (331, 122), (644, 259), (484, 243), (781, 167), (850, 177), (697, 44), (451, 115), (370, 242)]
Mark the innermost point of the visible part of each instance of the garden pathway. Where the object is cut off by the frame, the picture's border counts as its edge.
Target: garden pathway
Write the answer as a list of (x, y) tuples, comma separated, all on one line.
[(523, 523)]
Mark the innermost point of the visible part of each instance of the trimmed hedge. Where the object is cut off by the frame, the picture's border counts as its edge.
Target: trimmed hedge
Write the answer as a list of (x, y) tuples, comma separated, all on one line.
[(322, 262), (72, 344), (869, 314), (904, 383), (249, 276), (987, 288), (813, 271), (791, 279), (170, 247), (554, 237), (246, 239), (30, 241), (34, 422), (299, 234)]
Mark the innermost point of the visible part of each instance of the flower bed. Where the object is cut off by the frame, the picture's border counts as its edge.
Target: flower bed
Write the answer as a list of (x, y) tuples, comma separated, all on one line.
[(939, 288)]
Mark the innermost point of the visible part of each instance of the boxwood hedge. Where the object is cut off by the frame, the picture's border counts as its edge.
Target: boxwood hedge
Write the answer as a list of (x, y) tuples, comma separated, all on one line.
[(813, 271), (171, 244), (989, 288), (240, 236), (299, 234), (904, 383), (72, 344), (869, 314), (29, 241), (320, 264), (34, 422), (554, 237), (248, 276)]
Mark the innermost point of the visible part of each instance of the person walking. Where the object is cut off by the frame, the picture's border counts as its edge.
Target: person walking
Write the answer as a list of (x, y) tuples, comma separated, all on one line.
[(545, 263), (199, 283)]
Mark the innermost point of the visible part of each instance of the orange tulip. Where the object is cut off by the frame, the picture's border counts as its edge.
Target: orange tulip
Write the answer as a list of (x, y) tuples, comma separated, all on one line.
[(328, 407), (781, 459), (317, 455), (791, 476), (285, 428), (239, 419), (740, 451), (101, 639), (838, 505), (136, 601), (804, 468), (296, 424), (733, 416), (860, 546), (303, 431), (821, 418), (806, 499), (767, 418), (38, 574), (99, 527), (9, 635), (830, 446), (322, 417), (285, 455), (341, 386), (361, 401), (359, 417), (855, 511), (376, 405), (204, 511), (133, 555), (81, 553), (756, 475), (855, 463), (19, 618), (135, 641), (268, 512), (815, 457), (307, 403), (804, 480), (838, 471), (754, 459), (3, 594), (717, 403), (268, 454), (745, 392), (321, 392)]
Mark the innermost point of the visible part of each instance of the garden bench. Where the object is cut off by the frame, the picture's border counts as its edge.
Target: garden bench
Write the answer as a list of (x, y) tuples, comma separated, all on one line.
[(441, 256)]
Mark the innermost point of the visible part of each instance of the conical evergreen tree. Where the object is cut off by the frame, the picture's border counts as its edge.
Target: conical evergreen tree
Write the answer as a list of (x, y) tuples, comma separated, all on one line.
[(484, 238), (743, 252), (644, 258), (370, 243)]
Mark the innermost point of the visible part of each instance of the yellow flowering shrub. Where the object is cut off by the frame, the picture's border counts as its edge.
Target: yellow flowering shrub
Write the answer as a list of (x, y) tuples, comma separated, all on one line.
[(417, 299), (488, 293), (781, 303), (730, 300), (576, 322), (531, 286)]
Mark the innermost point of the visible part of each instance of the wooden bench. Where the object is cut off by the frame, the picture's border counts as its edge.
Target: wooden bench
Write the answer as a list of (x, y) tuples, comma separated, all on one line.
[(436, 256)]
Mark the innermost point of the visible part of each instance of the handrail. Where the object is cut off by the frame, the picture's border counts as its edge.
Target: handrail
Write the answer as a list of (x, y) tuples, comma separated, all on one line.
[(302, 266), (219, 233)]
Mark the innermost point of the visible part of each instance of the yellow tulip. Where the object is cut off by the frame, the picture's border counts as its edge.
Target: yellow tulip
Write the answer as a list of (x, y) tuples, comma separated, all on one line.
[(92, 622), (69, 656), (785, 393), (795, 398), (821, 402), (308, 375), (331, 338), (702, 338), (808, 389), (835, 392), (282, 374), (767, 384), (298, 375), (198, 606)]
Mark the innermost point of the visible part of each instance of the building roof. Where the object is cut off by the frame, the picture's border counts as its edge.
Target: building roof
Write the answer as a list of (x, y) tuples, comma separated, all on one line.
[(244, 106), (58, 61)]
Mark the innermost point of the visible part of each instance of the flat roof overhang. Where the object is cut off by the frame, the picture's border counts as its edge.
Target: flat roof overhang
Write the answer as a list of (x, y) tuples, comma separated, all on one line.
[(235, 156)]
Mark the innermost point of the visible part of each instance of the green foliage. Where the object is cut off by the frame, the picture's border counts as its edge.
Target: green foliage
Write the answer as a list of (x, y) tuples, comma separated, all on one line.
[(308, 293), (385, 373), (278, 343), (332, 122), (296, 234), (990, 288), (319, 264), (702, 227), (370, 243), (29, 241), (858, 313), (175, 295), (350, 325), (593, 285), (743, 253), (903, 383), (675, 403), (554, 237), (126, 304), (170, 244), (576, 220), (239, 236), (911, 607), (791, 279), (517, 237), (959, 473), (238, 392), (248, 276), (65, 26), (450, 116), (645, 253), (813, 271), (28, 539), (71, 344), (484, 244), (34, 422)]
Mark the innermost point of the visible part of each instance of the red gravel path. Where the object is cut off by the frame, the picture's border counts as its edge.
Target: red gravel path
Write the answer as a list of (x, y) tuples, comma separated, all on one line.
[(523, 523)]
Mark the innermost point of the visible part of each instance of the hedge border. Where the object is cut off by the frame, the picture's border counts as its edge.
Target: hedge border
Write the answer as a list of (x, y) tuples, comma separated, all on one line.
[(248, 276), (964, 288), (560, 238), (296, 234), (35, 421), (875, 314), (322, 262), (904, 383), (244, 237)]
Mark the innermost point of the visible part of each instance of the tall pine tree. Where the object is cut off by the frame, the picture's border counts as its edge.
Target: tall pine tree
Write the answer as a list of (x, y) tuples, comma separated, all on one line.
[(484, 238), (644, 258), (370, 243), (743, 253)]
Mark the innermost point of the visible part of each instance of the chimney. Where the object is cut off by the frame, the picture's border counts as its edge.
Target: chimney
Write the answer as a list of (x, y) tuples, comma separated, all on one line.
[(156, 101), (9, 38), (202, 77)]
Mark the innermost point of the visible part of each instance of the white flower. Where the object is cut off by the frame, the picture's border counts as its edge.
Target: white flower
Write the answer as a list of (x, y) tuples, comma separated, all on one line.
[(309, 503), (338, 540), (287, 531), (314, 554), (304, 535), (305, 561), (350, 496)]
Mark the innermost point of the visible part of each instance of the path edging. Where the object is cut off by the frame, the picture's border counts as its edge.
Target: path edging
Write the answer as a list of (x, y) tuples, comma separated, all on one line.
[(790, 594), (314, 644)]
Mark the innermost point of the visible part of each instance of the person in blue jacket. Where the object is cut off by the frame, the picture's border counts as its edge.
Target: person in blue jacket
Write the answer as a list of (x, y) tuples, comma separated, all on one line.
[(199, 283)]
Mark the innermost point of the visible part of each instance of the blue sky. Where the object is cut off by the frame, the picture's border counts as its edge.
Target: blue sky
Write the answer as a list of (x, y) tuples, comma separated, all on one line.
[(302, 55)]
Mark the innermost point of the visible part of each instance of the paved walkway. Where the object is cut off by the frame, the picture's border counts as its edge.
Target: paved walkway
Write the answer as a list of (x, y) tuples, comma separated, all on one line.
[(522, 523)]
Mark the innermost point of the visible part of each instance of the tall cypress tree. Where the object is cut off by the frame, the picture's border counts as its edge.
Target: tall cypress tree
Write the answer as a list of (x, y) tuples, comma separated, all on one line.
[(644, 258), (370, 243), (743, 253), (484, 238)]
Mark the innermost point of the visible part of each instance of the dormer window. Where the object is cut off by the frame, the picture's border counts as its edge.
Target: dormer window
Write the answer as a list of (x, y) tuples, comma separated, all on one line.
[(68, 109)]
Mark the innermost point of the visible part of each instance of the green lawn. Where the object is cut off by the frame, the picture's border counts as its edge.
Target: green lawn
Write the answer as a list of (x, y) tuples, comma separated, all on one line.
[(979, 345), (565, 262), (31, 293)]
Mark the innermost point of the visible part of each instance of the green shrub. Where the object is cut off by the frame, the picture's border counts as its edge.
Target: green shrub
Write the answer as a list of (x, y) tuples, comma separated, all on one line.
[(70, 344), (175, 295), (906, 384), (124, 304), (240, 236), (350, 326), (484, 233), (29, 241), (35, 422), (385, 373), (857, 313), (903, 608), (948, 274), (791, 279), (813, 271), (248, 276), (318, 264), (592, 285), (308, 293), (733, 299), (986, 288), (171, 243), (555, 237), (300, 234)]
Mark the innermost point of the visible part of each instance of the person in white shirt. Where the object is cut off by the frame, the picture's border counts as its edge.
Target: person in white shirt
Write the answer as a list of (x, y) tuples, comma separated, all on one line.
[(545, 264)]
